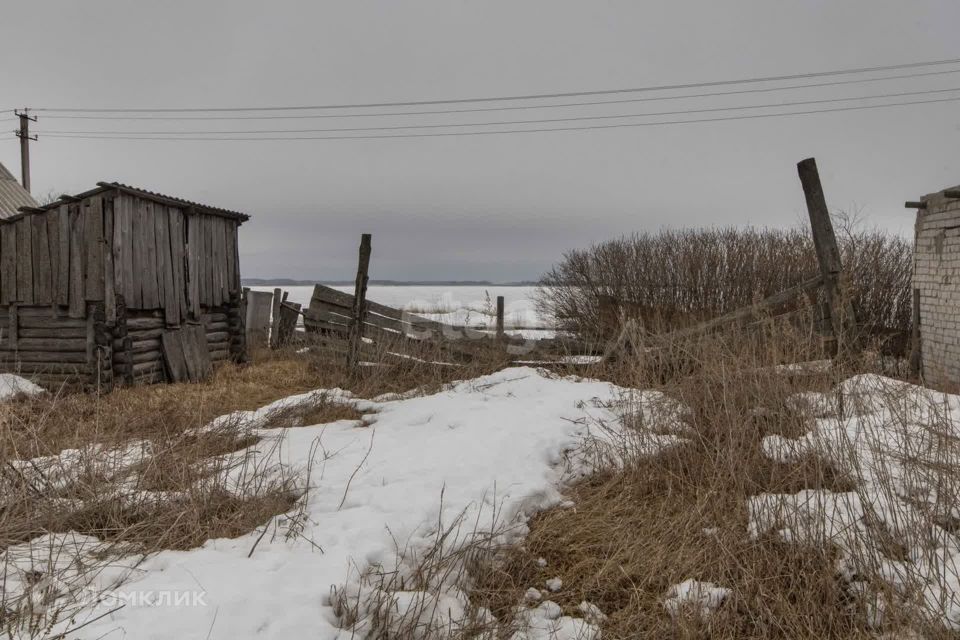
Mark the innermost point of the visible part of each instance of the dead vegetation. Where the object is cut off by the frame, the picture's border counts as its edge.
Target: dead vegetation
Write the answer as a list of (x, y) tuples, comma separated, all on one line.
[(657, 521), (679, 278), (632, 533)]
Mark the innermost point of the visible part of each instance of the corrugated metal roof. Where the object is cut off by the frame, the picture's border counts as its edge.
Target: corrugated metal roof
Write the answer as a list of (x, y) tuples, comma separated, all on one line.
[(150, 195), (12, 195)]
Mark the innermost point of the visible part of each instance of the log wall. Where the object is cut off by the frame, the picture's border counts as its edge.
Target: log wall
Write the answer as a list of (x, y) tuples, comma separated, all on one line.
[(94, 282), (47, 347)]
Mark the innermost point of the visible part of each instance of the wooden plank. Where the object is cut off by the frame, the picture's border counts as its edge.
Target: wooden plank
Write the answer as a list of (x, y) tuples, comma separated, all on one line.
[(53, 251), (43, 318), (257, 320), (212, 265), (167, 296), (120, 276), (173, 355), (130, 282), (136, 325), (224, 270), (93, 246), (63, 261), (53, 332), (236, 254), (56, 345), (77, 303), (345, 300), (193, 265), (41, 258), (203, 282), (160, 242), (233, 283), (109, 284), (54, 357), (151, 275), (139, 346), (197, 352), (137, 357), (8, 263), (275, 318), (24, 261), (215, 264), (175, 294), (207, 263), (13, 324), (138, 253), (28, 369), (171, 305), (500, 307)]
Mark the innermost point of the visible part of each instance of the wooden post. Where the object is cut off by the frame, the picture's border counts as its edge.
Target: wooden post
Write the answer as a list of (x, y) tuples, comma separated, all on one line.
[(289, 314), (359, 303), (24, 135), (275, 319), (842, 317), (499, 316)]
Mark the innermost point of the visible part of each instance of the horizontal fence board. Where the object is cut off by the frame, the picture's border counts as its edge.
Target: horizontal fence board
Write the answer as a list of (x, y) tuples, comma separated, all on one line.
[(331, 296)]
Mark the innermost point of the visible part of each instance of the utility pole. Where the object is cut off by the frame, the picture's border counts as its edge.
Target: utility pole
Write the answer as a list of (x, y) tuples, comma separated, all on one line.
[(25, 138)]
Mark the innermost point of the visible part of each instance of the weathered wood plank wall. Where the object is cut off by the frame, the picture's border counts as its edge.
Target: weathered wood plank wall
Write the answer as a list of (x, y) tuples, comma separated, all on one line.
[(110, 272)]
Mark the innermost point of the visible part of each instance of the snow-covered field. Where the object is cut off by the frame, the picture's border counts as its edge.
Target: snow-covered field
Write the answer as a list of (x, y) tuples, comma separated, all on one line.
[(476, 459), (460, 306)]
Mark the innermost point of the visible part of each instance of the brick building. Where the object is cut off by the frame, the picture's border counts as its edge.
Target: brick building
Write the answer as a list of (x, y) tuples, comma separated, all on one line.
[(936, 282)]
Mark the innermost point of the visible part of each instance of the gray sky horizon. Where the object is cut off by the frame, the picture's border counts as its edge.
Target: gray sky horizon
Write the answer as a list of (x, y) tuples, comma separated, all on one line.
[(489, 207)]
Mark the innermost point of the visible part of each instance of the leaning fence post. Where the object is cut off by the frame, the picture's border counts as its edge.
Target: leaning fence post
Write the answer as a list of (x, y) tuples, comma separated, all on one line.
[(842, 318), (275, 318), (499, 316), (359, 303)]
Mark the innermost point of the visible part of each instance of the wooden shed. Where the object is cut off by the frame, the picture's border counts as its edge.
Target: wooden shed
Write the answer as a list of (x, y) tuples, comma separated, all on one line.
[(119, 284)]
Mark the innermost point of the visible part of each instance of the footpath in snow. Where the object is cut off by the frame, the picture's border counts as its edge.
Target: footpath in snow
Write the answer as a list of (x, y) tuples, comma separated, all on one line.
[(478, 457)]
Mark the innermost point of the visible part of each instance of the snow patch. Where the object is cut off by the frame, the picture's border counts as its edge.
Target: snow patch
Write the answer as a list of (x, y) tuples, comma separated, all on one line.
[(693, 596)]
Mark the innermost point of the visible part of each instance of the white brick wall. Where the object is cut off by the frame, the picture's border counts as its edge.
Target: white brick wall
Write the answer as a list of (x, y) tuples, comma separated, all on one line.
[(936, 273)]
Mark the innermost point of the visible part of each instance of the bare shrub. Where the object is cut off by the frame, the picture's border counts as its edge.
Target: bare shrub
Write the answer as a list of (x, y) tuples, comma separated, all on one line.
[(678, 277)]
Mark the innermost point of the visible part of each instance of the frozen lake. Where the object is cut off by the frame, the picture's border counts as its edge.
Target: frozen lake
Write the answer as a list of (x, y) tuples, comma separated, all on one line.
[(473, 306)]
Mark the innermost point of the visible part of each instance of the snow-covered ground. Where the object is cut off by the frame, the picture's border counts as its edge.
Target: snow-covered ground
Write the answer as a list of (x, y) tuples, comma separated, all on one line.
[(900, 445), (475, 460), (460, 306), (12, 385)]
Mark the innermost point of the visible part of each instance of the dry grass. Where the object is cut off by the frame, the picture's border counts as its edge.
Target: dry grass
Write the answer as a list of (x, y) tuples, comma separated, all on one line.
[(682, 514), (632, 533)]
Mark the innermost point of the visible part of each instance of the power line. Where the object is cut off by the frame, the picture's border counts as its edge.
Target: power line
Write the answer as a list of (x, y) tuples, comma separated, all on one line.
[(510, 108), (567, 94), (512, 131), (516, 122)]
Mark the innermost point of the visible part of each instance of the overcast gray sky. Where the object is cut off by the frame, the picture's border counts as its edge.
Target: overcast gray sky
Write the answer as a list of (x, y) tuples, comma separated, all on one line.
[(498, 207)]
